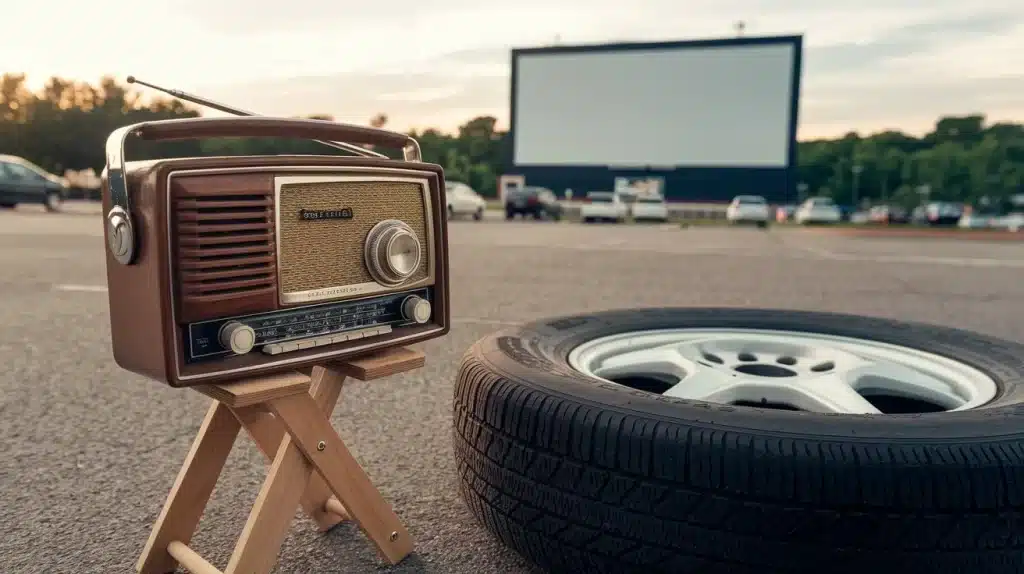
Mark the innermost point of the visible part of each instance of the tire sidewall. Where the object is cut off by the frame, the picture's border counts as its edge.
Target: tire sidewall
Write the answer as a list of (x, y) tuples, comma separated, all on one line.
[(536, 355)]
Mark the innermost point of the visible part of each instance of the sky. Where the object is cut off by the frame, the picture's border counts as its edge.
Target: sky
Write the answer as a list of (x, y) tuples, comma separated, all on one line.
[(868, 64)]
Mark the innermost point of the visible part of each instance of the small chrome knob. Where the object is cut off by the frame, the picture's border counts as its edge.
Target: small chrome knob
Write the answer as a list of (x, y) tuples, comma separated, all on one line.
[(417, 309), (120, 235), (392, 252), (238, 337)]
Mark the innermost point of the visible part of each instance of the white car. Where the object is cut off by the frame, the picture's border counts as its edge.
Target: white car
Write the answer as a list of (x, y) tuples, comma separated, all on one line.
[(1013, 222), (603, 206), (748, 209), (463, 200), (818, 210), (975, 221), (650, 208)]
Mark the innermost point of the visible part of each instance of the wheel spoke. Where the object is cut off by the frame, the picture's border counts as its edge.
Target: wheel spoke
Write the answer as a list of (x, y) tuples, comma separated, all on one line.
[(902, 381), (705, 384), (830, 393), (659, 360)]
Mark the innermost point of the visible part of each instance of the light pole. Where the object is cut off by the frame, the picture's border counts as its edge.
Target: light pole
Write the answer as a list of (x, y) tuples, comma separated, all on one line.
[(857, 168)]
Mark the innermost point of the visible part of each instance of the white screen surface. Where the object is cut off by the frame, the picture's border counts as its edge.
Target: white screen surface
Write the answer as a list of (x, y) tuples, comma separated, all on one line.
[(723, 106)]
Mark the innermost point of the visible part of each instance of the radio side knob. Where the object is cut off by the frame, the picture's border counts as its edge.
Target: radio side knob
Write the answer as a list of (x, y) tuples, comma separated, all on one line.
[(120, 236), (238, 337), (415, 308)]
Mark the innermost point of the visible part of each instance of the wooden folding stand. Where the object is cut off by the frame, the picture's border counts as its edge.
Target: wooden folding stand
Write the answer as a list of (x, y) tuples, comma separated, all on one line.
[(288, 416)]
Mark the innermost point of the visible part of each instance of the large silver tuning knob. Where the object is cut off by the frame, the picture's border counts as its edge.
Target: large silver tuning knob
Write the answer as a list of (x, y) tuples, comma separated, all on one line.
[(416, 309), (238, 337), (392, 252)]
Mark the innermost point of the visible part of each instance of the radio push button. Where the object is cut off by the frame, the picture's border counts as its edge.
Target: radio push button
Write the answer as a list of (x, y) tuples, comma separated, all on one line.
[(324, 340), (416, 309), (238, 337)]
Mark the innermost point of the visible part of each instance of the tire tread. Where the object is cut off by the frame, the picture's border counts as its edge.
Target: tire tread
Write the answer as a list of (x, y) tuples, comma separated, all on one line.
[(582, 489)]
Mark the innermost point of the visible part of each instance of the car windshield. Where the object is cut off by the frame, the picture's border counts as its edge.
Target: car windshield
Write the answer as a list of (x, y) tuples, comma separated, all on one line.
[(750, 200), (600, 197), (649, 200)]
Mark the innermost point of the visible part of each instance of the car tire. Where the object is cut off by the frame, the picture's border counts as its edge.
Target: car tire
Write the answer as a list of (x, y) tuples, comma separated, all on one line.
[(479, 214), (53, 202), (579, 474), (509, 214), (762, 224), (8, 205), (588, 220)]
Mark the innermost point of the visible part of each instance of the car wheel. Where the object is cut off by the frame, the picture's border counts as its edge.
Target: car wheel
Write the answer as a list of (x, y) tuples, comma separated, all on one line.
[(479, 214), (53, 202), (588, 220), (8, 205), (509, 214), (762, 224), (740, 440), (451, 212)]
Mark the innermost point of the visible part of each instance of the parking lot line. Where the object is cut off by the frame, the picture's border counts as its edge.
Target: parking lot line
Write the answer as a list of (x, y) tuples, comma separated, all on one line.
[(81, 288)]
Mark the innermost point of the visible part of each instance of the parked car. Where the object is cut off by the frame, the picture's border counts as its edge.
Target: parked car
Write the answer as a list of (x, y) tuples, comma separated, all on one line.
[(886, 214), (22, 181), (1012, 222), (817, 210), (464, 200), (536, 202), (650, 208), (748, 209), (860, 217), (941, 213), (976, 221), (784, 213), (603, 206)]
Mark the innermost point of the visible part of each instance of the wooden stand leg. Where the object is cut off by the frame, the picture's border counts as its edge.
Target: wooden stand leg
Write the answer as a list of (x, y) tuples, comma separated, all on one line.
[(267, 433), (289, 417), (191, 491), (324, 448)]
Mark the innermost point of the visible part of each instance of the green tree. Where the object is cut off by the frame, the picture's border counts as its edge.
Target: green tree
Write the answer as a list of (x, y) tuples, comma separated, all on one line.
[(65, 124)]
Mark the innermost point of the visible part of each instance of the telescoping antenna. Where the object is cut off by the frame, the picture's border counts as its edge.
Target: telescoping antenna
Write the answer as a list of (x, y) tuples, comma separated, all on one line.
[(239, 112)]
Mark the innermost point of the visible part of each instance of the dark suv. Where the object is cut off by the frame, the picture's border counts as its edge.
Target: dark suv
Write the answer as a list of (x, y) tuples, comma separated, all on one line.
[(24, 182), (537, 202)]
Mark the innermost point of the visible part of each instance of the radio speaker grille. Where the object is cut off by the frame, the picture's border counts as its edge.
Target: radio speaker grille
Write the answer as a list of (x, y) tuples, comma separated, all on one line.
[(225, 240), (329, 253)]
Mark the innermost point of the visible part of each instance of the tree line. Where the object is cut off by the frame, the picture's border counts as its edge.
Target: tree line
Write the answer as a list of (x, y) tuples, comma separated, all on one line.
[(65, 124)]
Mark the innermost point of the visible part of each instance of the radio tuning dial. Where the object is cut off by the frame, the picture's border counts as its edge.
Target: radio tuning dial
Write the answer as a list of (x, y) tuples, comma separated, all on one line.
[(392, 252), (238, 337), (415, 308)]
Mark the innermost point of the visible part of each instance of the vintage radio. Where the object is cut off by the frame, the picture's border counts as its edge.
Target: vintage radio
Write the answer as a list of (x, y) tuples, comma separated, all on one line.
[(220, 268)]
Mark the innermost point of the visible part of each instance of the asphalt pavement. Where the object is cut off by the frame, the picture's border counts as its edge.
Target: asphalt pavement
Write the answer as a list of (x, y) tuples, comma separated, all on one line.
[(90, 451)]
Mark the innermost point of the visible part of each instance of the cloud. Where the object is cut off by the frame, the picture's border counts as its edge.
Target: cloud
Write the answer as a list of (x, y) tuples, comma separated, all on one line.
[(870, 64)]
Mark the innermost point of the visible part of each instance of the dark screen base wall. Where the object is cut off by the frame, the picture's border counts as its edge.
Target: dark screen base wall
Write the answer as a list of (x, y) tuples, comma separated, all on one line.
[(683, 184)]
